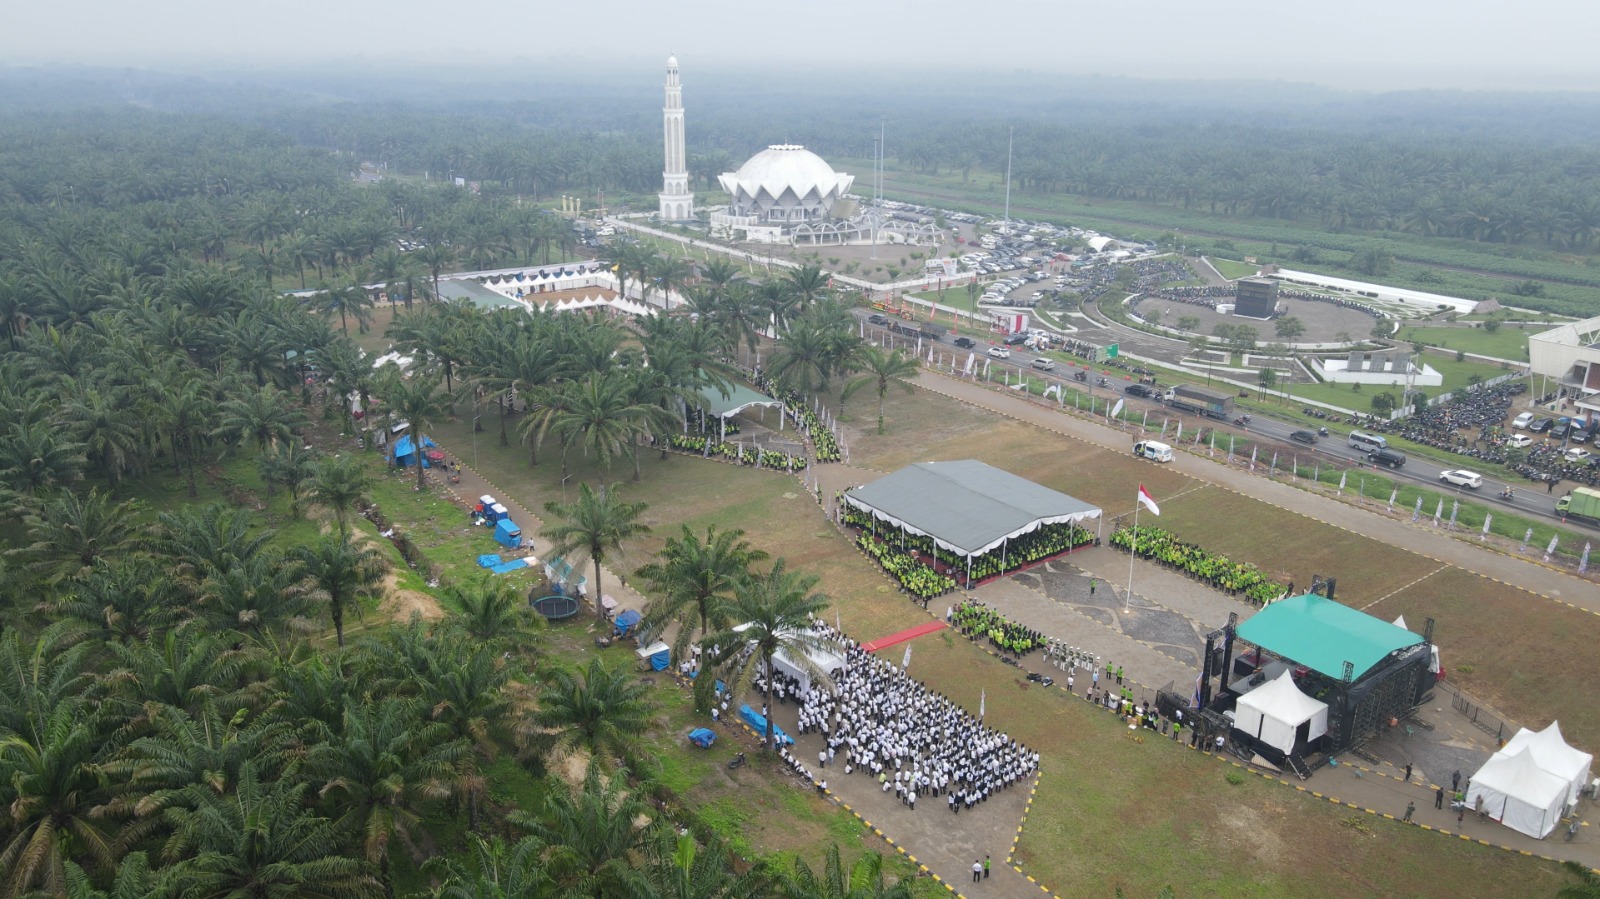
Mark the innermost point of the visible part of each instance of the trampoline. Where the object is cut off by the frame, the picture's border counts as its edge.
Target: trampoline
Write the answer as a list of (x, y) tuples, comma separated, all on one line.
[(555, 608)]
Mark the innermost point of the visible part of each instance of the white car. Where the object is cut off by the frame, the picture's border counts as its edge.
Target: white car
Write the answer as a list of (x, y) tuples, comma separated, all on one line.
[(999, 352), (1518, 440), (1578, 454), (1523, 420), (1462, 478)]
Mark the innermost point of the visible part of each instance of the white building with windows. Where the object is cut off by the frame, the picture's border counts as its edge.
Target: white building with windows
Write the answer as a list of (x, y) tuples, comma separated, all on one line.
[(783, 188), (1569, 355)]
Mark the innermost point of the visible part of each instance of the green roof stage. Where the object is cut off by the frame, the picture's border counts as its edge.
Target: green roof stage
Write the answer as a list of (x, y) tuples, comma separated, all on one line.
[(1322, 635), (739, 398), (966, 506)]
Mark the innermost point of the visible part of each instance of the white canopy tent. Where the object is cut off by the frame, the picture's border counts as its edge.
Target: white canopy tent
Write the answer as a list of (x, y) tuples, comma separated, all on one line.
[(1274, 712), (1519, 794), (1554, 756), (823, 660)]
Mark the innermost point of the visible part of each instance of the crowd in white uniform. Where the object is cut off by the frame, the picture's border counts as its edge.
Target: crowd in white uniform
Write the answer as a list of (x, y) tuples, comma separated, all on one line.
[(894, 729)]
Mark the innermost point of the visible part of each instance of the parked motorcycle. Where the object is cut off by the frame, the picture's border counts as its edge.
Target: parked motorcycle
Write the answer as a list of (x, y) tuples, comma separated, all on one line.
[(736, 762)]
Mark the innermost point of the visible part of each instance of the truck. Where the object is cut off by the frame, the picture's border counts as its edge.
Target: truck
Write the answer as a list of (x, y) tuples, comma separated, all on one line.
[(1582, 502), (926, 330), (1210, 403)]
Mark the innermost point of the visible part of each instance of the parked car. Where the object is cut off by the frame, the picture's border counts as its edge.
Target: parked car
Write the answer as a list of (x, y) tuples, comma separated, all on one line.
[(1540, 425), (965, 343), (1138, 390), (1579, 435), (1577, 454), (999, 352), (1523, 420), (876, 319), (1016, 339), (1303, 437), (1518, 440), (1560, 430), (1460, 477)]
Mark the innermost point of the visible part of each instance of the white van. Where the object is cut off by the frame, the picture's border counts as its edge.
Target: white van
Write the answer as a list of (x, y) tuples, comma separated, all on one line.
[(1367, 443), (1150, 449)]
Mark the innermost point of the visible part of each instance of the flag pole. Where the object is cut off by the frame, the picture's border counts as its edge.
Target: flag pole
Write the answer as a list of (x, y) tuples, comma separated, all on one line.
[(1133, 546)]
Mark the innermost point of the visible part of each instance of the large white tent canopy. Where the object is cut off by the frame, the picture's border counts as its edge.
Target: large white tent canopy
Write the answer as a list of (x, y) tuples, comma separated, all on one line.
[(967, 507), (1518, 793), (1274, 711), (1553, 754)]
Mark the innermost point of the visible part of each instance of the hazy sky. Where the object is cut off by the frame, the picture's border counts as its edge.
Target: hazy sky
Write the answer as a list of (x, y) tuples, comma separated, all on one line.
[(1373, 44)]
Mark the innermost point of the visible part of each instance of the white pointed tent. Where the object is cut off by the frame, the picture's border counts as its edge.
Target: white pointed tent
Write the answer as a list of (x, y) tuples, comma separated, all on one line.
[(1519, 794), (1554, 755), (1274, 711)]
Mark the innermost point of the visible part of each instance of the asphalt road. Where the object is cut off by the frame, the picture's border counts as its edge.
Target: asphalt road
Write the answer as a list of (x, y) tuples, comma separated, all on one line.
[(1333, 449)]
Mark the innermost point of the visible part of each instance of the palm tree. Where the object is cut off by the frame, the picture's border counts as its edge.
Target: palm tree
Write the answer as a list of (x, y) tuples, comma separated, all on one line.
[(779, 301), (52, 784), (107, 426), (670, 273), (808, 283), (436, 257), (592, 833), (123, 600), (339, 484), (777, 608), (593, 525), (35, 456), (678, 868), (695, 581), (257, 596), (496, 869), (418, 403), (74, 530), (186, 410), (380, 772), (864, 880), (492, 612), (343, 573), (260, 841), (292, 467), (186, 748), (600, 712), (347, 301), (263, 418), (880, 368)]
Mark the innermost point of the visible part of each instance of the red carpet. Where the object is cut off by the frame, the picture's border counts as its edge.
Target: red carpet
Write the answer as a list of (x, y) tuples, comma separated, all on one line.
[(903, 636)]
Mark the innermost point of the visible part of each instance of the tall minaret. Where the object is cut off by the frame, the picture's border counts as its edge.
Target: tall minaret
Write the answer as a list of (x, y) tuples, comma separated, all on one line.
[(677, 203)]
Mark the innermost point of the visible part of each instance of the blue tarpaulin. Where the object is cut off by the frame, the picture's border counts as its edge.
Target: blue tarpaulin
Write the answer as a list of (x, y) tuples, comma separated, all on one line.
[(404, 454), (512, 565), (489, 560), (759, 725), (659, 655), (702, 737), (626, 621)]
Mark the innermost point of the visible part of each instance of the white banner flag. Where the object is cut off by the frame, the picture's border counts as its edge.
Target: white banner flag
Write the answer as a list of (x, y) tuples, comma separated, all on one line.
[(1393, 494), (1455, 506), (981, 695), (1342, 476), (1417, 512), (1583, 563), (1551, 549), (1438, 511), (972, 360), (905, 662), (1486, 520), (1525, 538), (1253, 457)]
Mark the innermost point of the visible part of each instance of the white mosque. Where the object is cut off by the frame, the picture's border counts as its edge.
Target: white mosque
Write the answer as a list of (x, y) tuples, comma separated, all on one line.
[(784, 194)]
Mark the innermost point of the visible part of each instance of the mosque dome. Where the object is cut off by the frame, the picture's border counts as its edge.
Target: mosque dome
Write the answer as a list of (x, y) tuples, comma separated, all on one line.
[(785, 183)]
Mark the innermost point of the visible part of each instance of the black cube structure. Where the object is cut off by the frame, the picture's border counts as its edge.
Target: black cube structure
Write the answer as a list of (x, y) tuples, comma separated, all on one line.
[(1257, 298)]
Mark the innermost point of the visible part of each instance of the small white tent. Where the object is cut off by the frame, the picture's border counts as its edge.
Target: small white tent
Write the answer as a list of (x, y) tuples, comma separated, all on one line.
[(1519, 794), (1274, 711), (1554, 755)]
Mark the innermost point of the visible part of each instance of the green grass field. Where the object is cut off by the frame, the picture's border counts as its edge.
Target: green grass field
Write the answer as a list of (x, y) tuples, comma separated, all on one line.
[(1508, 342), (1234, 270)]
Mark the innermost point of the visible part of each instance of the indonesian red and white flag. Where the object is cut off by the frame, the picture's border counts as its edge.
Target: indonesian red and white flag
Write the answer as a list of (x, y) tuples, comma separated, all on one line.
[(1148, 501)]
